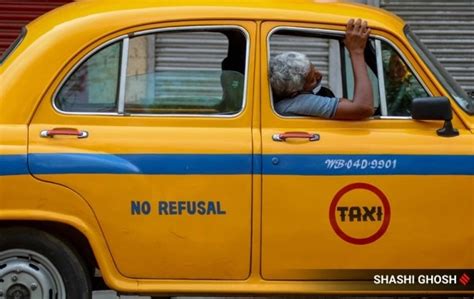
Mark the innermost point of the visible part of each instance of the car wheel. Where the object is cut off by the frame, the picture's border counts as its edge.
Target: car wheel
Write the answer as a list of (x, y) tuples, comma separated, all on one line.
[(35, 264)]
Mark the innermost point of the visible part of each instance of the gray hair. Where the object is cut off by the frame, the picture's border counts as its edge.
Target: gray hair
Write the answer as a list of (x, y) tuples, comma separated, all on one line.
[(288, 73)]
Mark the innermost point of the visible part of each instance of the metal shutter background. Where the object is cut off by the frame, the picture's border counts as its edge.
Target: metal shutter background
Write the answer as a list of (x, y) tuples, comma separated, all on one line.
[(173, 52), (197, 53), (15, 14), (190, 50), (446, 28)]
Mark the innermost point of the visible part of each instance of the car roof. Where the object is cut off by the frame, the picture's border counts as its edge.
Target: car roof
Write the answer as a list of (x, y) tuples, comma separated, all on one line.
[(325, 11)]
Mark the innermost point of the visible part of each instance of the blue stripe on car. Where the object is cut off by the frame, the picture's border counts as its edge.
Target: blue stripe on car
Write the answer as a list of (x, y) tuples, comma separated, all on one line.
[(13, 165), (232, 164)]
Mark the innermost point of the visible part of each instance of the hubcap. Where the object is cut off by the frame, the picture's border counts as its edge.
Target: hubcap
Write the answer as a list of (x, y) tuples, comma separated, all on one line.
[(18, 291), (25, 274)]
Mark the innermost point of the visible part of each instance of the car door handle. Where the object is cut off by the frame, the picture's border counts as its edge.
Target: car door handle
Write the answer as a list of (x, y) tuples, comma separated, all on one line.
[(289, 135), (64, 132)]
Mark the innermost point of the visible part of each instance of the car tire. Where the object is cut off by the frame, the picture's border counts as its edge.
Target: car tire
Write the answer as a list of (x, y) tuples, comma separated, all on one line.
[(36, 264)]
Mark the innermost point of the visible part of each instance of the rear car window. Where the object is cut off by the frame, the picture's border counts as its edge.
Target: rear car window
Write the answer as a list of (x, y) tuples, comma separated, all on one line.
[(93, 87), (161, 73)]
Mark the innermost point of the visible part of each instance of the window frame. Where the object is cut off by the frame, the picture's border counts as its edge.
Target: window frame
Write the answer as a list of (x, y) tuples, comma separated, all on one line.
[(124, 40), (381, 83)]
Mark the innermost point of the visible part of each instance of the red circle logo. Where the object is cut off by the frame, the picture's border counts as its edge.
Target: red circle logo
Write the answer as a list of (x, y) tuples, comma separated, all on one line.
[(356, 240)]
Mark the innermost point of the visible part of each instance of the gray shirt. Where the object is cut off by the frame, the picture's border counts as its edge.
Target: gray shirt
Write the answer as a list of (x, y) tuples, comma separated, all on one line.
[(308, 105)]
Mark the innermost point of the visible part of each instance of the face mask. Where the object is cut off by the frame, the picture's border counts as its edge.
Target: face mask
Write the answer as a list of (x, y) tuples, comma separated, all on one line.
[(317, 88)]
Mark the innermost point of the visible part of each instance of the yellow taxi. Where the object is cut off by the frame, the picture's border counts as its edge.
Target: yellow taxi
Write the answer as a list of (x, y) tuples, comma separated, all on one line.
[(139, 143)]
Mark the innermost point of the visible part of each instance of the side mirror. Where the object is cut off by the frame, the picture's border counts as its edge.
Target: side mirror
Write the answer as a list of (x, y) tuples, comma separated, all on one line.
[(435, 108)]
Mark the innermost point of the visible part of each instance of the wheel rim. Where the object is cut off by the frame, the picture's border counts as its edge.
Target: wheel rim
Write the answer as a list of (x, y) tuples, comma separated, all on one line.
[(25, 274)]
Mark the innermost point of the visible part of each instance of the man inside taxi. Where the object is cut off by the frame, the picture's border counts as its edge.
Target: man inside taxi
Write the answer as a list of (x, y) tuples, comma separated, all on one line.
[(296, 83)]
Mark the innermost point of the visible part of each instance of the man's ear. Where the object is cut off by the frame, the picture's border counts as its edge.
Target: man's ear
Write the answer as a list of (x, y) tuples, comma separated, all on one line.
[(318, 76), (311, 79)]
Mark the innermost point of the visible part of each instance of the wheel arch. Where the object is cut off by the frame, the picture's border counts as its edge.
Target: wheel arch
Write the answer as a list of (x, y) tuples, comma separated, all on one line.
[(62, 212), (70, 235), (78, 236)]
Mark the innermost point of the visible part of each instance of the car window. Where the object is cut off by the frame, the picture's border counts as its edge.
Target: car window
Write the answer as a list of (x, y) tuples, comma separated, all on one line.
[(93, 86), (401, 85), (394, 84), (175, 72), (185, 72), (328, 54)]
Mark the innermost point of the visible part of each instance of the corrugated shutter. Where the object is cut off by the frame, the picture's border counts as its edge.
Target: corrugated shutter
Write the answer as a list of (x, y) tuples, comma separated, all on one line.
[(446, 28), (173, 51), (189, 51), (199, 54), (16, 14)]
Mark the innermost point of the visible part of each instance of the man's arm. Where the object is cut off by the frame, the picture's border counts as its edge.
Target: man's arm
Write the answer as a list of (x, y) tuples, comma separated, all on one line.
[(362, 106)]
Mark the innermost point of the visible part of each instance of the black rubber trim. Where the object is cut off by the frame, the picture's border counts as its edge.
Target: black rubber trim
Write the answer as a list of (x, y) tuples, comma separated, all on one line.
[(13, 46)]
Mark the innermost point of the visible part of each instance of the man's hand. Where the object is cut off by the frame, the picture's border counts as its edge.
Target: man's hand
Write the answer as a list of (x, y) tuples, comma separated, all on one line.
[(357, 34), (361, 105)]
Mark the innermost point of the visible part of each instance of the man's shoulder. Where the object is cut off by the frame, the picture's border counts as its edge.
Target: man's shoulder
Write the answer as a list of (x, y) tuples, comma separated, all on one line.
[(307, 104)]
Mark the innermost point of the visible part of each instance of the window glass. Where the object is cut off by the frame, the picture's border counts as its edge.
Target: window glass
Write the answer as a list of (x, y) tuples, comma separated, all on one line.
[(328, 54), (93, 87), (401, 85), (186, 72)]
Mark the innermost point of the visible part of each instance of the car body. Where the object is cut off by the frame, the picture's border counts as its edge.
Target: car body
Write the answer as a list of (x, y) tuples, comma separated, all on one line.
[(223, 197)]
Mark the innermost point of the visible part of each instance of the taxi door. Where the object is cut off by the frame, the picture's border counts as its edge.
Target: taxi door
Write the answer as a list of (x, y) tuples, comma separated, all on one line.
[(161, 156), (383, 193)]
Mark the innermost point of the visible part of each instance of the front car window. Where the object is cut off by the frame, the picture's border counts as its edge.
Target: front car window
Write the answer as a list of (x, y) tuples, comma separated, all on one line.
[(394, 84), (451, 86)]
